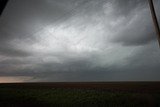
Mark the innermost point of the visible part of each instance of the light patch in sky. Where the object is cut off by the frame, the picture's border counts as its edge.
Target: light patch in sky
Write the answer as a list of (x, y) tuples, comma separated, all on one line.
[(14, 79)]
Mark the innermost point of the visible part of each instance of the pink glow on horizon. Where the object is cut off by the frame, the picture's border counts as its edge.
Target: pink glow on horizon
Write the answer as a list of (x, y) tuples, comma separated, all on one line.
[(14, 79)]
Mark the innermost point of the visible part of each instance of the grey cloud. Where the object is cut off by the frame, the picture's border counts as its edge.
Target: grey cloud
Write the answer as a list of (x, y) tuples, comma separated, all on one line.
[(22, 21), (125, 7), (137, 28), (139, 33), (9, 50), (147, 59), (18, 23), (137, 58), (144, 65)]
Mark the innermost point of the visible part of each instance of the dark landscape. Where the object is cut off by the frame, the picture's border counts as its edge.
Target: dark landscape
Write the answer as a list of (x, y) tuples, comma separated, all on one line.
[(80, 94)]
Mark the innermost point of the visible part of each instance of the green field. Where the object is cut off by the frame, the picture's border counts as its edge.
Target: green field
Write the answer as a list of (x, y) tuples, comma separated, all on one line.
[(42, 95)]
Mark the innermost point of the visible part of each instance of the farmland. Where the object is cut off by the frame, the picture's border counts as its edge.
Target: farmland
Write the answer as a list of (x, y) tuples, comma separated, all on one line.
[(80, 94)]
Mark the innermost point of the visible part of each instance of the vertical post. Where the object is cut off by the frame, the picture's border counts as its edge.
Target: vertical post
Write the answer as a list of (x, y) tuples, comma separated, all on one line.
[(2, 5), (155, 21)]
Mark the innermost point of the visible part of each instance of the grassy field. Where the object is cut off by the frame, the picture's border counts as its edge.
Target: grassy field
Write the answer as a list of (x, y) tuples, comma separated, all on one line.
[(97, 94)]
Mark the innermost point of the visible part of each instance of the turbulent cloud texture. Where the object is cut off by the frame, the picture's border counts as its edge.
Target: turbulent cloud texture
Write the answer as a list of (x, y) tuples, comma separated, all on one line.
[(79, 40)]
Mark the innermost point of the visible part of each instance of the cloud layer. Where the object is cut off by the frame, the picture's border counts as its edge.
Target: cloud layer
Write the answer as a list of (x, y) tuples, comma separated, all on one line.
[(84, 40)]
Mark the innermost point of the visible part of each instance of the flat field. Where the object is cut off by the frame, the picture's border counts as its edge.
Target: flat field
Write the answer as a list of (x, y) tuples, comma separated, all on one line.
[(80, 94)]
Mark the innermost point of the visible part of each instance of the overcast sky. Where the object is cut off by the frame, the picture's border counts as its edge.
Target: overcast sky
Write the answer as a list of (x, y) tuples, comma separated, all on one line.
[(78, 40)]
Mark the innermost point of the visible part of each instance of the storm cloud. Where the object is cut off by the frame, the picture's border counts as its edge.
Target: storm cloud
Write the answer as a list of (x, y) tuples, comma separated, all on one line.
[(79, 40)]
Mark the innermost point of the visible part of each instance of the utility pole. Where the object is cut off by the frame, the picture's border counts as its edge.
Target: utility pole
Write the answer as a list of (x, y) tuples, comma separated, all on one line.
[(2, 5), (155, 21)]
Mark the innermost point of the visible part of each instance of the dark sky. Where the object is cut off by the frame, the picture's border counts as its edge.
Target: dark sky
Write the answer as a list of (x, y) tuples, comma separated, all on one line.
[(78, 40)]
